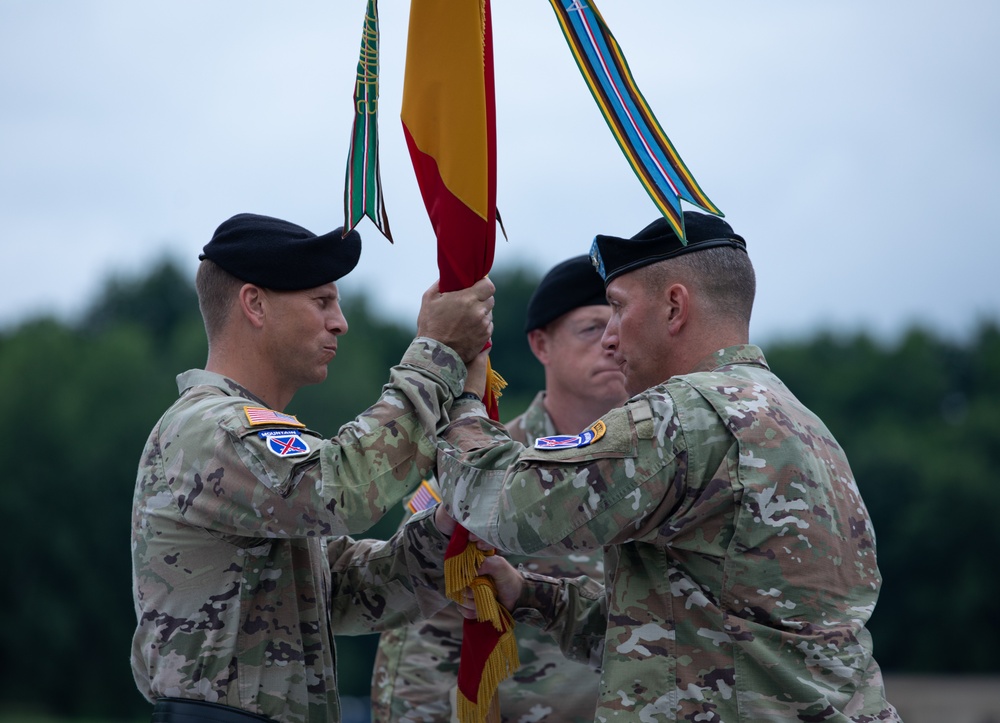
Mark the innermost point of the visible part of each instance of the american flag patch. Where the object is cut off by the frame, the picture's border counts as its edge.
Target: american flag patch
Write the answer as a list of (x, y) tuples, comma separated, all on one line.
[(425, 497), (262, 415)]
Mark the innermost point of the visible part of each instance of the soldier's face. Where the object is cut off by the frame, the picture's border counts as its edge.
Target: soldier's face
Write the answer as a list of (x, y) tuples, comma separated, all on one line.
[(576, 361), (303, 330), (635, 334)]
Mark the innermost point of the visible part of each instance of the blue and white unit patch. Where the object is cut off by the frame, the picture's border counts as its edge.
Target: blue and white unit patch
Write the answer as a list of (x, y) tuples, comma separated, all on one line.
[(285, 442), (567, 441)]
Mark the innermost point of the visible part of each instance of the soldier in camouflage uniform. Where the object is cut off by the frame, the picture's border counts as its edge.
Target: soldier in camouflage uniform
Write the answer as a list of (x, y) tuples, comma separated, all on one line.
[(242, 568), (416, 667), (740, 563)]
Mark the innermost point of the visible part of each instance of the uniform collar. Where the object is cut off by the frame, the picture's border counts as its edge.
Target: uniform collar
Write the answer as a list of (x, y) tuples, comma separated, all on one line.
[(201, 378), (740, 354)]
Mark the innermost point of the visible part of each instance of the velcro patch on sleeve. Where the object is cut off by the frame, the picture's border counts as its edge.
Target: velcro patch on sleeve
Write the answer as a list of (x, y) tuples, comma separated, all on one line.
[(284, 442), (566, 441), (425, 497), (259, 416), (642, 418)]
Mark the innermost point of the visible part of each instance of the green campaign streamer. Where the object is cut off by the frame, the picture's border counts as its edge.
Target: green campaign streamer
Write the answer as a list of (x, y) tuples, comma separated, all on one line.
[(363, 185)]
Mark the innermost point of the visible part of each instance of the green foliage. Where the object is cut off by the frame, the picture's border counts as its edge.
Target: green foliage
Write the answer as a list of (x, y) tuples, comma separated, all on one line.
[(158, 303), (917, 418), (68, 505)]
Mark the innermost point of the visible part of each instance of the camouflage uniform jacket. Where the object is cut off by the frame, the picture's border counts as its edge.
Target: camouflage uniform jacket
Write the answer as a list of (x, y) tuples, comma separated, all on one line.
[(242, 571), (416, 667), (739, 557)]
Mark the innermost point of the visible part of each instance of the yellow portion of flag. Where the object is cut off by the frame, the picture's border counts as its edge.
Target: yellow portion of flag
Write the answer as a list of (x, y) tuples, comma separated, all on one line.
[(444, 97)]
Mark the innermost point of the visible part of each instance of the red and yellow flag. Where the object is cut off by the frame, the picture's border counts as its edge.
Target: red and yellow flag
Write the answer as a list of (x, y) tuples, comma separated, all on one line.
[(450, 128), (449, 122)]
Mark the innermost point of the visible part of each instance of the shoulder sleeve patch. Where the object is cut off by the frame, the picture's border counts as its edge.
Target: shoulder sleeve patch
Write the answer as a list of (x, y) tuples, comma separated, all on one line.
[(564, 441), (425, 496), (259, 416), (284, 442), (612, 436)]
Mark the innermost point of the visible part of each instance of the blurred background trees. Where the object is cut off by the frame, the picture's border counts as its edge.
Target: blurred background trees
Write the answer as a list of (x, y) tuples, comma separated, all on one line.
[(916, 415)]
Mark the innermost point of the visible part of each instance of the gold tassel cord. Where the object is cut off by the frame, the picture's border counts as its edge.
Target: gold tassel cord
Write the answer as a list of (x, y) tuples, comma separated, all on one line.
[(494, 382)]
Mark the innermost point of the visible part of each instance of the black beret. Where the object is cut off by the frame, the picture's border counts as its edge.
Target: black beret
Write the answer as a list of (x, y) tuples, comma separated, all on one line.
[(613, 256), (279, 255), (570, 284)]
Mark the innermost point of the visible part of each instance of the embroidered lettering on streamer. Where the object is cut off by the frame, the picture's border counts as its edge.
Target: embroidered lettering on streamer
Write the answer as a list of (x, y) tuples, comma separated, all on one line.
[(262, 415), (284, 442), (567, 441)]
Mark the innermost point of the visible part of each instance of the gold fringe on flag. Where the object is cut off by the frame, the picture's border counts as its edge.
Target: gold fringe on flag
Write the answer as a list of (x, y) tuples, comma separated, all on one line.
[(503, 660), (494, 382), (501, 664), (460, 570), (484, 592)]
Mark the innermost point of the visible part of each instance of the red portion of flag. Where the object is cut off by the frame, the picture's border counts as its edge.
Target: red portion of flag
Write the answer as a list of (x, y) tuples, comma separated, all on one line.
[(488, 654), (465, 241), (466, 237)]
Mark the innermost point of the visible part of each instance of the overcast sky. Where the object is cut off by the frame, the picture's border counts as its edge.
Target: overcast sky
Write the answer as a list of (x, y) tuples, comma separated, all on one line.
[(855, 144)]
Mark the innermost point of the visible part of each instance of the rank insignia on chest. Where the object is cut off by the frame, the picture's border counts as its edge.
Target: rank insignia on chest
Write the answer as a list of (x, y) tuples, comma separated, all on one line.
[(262, 415), (284, 442), (567, 441)]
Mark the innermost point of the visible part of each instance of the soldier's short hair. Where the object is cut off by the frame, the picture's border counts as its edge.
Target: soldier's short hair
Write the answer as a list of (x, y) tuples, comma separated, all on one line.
[(217, 291), (723, 275)]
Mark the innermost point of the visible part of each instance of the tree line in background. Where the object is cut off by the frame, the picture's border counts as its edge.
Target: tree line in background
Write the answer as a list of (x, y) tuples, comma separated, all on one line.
[(918, 418)]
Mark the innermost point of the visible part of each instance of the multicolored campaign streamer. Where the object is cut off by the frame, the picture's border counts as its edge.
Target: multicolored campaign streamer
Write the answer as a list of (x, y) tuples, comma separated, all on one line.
[(647, 148)]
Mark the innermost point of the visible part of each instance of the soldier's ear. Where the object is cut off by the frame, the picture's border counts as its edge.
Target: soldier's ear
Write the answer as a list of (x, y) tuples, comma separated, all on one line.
[(252, 303), (538, 340), (677, 305)]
